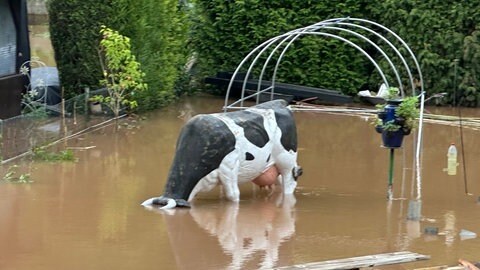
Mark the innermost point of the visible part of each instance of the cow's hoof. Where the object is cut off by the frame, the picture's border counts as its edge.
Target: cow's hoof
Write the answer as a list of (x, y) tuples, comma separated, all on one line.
[(160, 201), (297, 172), (148, 202), (182, 203)]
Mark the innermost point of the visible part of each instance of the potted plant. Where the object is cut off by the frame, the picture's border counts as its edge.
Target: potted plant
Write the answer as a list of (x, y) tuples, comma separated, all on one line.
[(396, 119), (95, 105)]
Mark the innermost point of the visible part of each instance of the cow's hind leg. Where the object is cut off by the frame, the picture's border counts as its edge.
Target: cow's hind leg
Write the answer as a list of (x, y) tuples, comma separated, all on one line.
[(228, 175), (205, 184)]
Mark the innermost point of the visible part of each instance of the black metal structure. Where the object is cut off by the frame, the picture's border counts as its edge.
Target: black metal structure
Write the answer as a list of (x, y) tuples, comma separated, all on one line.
[(284, 91), (14, 51)]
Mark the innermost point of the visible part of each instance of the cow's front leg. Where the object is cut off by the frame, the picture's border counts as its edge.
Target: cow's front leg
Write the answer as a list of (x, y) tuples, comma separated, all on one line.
[(286, 163), (228, 175)]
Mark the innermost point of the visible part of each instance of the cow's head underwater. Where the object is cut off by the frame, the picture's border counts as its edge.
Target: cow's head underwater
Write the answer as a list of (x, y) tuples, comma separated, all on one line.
[(258, 144)]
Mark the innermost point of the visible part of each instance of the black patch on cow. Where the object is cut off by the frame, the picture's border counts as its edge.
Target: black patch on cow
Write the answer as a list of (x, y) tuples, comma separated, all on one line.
[(162, 201), (253, 128), (289, 131), (297, 172), (285, 122), (249, 156), (269, 156), (203, 143)]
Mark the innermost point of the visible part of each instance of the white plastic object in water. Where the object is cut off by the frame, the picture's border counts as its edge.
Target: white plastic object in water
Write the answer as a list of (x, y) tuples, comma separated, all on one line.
[(452, 160), (465, 234), (383, 91)]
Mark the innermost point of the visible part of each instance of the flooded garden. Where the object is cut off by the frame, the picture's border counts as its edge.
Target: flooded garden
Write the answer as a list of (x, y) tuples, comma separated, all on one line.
[(87, 214)]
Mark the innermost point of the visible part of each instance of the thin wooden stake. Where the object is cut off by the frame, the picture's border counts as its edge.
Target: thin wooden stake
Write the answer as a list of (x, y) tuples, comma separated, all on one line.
[(390, 175)]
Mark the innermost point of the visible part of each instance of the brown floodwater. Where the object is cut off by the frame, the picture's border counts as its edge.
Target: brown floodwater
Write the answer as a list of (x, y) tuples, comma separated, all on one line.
[(87, 214)]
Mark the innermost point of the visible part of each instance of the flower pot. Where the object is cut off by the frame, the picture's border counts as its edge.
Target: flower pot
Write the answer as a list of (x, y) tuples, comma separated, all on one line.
[(95, 107), (382, 115), (392, 139)]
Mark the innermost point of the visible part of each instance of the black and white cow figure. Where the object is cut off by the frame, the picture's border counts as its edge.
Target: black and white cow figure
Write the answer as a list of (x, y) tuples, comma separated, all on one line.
[(256, 144)]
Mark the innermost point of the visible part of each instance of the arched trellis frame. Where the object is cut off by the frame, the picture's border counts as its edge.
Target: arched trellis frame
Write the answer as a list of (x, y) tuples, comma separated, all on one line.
[(276, 48)]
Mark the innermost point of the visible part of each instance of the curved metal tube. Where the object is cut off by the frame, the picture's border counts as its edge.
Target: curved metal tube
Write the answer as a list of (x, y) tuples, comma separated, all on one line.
[(376, 47), (268, 60), (393, 34), (391, 46), (267, 44), (315, 27), (243, 62), (336, 37), (242, 97)]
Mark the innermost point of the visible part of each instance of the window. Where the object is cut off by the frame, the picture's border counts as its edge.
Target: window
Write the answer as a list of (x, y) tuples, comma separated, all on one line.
[(8, 40)]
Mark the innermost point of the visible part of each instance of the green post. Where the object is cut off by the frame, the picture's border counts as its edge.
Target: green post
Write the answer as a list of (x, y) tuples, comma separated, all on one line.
[(390, 176)]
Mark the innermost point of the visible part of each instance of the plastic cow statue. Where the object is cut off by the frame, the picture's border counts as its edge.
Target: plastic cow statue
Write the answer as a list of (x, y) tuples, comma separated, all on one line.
[(258, 144)]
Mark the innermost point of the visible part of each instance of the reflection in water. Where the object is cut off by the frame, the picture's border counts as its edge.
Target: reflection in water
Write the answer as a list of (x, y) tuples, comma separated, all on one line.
[(243, 230), (449, 227)]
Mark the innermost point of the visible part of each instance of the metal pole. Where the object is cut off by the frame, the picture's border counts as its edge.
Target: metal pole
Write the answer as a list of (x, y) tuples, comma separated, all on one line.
[(390, 175)]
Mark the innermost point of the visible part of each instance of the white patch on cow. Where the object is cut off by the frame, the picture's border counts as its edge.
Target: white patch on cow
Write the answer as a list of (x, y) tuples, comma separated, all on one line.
[(235, 169), (171, 203), (148, 202), (205, 184)]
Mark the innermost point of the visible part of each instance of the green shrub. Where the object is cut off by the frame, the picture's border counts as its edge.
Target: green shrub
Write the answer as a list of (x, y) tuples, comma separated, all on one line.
[(122, 75), (157, 29)]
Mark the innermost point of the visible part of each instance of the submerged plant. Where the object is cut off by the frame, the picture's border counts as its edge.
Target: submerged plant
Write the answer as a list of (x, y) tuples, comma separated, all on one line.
[(11, 177), (41, 154)]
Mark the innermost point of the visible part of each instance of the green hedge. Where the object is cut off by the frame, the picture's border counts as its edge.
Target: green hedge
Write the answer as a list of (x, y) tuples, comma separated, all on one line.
[(158, 33), (74, 30), (438, 33), (226, 31)]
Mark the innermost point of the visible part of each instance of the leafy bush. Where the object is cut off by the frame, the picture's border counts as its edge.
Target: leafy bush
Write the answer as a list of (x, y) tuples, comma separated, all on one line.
[(157, 29), (122, 75)]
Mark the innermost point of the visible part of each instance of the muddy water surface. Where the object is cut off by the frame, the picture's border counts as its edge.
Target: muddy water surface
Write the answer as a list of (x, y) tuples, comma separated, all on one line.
[(87, 214)]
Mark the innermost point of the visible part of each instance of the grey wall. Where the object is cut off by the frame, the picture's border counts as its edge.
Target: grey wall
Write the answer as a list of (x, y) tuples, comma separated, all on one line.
[(37, 7)]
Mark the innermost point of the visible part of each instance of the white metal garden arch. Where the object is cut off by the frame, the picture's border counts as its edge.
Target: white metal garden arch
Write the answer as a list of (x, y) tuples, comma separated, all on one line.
[(276, 48)]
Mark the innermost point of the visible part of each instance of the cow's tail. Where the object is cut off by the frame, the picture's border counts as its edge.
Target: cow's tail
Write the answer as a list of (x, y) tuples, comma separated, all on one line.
[(166, 203)]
